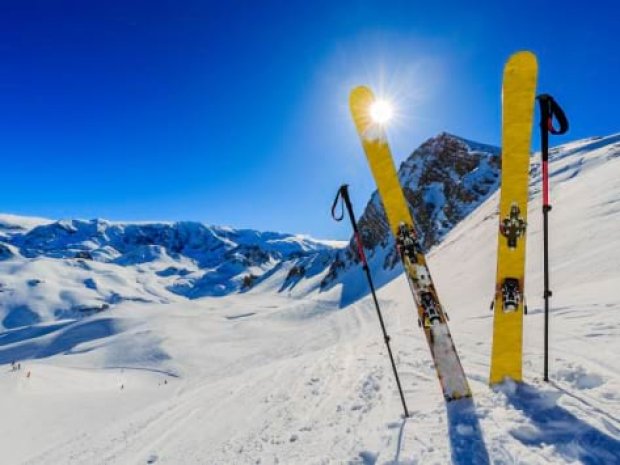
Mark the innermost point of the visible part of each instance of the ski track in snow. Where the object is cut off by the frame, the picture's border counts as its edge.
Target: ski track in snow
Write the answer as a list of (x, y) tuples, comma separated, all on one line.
[(258, 378)]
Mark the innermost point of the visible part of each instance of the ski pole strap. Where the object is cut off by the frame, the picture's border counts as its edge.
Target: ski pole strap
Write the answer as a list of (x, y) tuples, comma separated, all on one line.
[(550, 111), (342, 191), (343, 196)]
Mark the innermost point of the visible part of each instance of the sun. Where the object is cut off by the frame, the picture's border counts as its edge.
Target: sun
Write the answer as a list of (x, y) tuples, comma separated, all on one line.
[(381, 111)]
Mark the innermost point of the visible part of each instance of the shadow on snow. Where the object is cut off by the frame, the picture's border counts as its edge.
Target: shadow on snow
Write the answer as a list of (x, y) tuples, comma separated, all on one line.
[(69, 336), (573, 438), (466, 440), (30, 332)]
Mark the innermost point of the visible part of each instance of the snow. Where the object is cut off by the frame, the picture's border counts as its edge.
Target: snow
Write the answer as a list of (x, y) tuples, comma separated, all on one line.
[(63, 269), (8, 221), (266, 377)]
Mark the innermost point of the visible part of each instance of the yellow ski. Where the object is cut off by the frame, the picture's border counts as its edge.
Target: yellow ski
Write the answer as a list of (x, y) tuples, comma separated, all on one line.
[(518, 94), (431, 316)]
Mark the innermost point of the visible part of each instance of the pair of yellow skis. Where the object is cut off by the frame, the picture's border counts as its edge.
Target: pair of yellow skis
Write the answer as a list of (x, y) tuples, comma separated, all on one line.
[(518, 94)]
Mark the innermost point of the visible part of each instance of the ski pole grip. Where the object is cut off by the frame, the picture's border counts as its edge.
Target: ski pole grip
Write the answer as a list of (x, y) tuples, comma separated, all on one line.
[(340, 194), (550, 110)]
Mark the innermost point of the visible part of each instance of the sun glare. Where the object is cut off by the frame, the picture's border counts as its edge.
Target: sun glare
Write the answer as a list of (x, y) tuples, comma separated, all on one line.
[(381, 111)]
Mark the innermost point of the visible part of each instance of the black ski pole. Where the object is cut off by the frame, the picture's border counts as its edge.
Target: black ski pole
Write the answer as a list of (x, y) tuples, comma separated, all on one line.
[(343, 193), (549, 110)]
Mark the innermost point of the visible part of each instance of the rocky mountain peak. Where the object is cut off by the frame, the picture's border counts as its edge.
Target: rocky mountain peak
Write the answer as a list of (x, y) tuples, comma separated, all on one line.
[(443, 181)]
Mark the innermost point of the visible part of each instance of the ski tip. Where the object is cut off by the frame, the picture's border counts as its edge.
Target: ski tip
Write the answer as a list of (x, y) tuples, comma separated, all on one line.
[(360, 93), (523, 55), (523, 59), (519, 80), (360, 100)]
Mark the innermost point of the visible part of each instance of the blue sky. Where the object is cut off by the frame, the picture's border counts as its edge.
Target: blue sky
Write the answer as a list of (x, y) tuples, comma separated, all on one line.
[(236, 112)]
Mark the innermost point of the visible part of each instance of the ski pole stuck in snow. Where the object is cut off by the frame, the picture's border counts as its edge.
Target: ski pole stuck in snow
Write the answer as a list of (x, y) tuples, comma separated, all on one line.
[(549, 109), (343, 195)]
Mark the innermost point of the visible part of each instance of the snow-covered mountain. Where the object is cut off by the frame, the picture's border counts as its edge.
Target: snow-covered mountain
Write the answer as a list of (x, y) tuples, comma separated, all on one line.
[(266, 377), (444, 180), (73, 268), (61, 269)]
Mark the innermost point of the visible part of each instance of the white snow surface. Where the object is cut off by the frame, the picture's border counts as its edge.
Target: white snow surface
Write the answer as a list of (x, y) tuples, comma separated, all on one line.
[(264, 377)]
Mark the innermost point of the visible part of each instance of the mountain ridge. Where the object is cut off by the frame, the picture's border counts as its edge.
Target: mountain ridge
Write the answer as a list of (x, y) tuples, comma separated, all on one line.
[(443, 180), (90, 265)]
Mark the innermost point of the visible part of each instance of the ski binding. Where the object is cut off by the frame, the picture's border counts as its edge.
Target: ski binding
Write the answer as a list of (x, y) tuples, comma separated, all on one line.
[(511, 295), (513, 226)]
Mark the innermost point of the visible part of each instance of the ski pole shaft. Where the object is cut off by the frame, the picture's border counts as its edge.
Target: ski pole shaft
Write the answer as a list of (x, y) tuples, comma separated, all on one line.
[(343, 193), (546, 207), (549, 110), (547, 291)]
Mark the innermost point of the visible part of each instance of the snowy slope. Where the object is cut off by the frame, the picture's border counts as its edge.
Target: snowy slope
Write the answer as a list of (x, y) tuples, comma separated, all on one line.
[(263, 377), (53, 270)]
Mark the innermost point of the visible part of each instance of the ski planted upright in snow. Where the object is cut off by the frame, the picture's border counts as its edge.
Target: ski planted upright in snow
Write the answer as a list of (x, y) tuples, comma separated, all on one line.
[(518, 94), (430, 312)]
